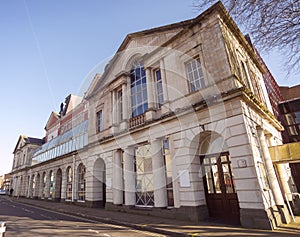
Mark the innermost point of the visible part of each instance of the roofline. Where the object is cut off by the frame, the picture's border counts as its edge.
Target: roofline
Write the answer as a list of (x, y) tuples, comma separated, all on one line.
[(217, 7), (24, 137)]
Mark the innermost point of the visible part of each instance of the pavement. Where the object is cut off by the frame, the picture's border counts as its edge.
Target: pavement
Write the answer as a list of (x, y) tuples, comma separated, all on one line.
[(169, 227)]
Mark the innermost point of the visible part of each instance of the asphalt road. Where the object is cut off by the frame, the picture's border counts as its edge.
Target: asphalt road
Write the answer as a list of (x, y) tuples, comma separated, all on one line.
[(25, 220)]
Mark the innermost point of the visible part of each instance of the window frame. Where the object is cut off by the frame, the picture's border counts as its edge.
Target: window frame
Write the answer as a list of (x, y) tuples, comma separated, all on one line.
[(69, 183), (138, 90), (168, 171), (81, 191), (159, 87), (201, 79), (99, 122), (143, 169)]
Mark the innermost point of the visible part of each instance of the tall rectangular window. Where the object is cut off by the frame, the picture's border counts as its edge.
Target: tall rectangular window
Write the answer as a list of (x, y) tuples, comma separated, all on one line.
[(81, 183), (138, 84), (120, 105), (168, 167), (99, 121), (159, 88), (144, 176), (195, 75), (69, 183), (51, 186)]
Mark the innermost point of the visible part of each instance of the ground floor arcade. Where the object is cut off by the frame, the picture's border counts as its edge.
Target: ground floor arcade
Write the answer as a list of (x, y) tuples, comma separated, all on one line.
[(177, 169)]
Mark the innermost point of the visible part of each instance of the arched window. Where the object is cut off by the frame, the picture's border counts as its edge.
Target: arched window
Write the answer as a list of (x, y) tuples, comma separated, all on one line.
[(138, 84), (51, 187), (81, 182), (69, 183)]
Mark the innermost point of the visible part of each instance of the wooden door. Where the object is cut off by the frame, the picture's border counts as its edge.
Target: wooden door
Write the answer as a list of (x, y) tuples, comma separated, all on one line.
[(219, 187)]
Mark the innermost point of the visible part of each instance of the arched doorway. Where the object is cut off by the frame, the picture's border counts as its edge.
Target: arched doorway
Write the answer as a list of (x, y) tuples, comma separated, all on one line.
[(58, 184), (99, 177), (218, 178)]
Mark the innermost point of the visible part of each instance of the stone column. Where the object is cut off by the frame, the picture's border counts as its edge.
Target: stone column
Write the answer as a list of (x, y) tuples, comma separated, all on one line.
[(129, 177), (164, 80), (117, 178), (30, 187), (40, 186), (63, 183), (47, 189), (159, 175), (284, 179), (125, 96), (150, 89), (114, 108), (27, 191), (270, 169)]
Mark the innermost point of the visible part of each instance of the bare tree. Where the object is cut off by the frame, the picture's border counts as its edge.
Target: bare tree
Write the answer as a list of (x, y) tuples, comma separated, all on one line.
[(272, 24)]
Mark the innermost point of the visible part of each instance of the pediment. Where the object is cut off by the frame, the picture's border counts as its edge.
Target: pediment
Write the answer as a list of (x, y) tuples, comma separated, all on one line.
[(135, 45), (20, 143), (143, 43), (53, 119)]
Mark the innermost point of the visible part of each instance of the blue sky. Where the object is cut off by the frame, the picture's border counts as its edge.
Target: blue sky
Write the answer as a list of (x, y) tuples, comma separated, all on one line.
[(47, 48)]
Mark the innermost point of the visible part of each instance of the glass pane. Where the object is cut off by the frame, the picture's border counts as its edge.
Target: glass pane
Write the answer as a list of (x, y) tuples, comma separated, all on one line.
[(227, 179), (209, 180), (206, 160), (216, 178), (144, 176), (157, 73), (223, 158), (213, 160), (148, 165)]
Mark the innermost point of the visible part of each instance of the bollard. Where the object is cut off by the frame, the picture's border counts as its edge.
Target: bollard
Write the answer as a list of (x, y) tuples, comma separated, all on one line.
[(2, 229)]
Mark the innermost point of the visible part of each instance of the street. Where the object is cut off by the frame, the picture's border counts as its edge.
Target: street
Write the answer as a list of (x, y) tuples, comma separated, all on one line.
[(25, 220)]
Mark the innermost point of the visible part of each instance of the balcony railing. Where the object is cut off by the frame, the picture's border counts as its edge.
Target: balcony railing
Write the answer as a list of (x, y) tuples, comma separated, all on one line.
[(137, 121)]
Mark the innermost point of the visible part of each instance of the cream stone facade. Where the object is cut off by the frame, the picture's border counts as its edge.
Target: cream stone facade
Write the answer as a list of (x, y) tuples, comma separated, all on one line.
[(179, 125)]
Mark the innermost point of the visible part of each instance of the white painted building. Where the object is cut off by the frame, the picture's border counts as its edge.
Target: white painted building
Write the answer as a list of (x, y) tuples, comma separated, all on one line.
[(179, 125)]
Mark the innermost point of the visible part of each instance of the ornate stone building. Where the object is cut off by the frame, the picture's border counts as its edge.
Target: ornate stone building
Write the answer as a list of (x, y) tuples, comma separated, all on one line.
[(178, 125)]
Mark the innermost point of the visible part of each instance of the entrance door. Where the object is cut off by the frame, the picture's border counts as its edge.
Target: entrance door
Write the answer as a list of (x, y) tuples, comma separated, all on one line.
[(219, 187)]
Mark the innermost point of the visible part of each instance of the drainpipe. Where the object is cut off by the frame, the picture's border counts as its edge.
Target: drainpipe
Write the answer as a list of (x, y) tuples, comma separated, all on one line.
[(73, 178)]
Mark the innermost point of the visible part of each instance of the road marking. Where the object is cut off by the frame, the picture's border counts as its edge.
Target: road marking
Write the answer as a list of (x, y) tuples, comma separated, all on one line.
[(27, 210), (91, 221), (97, 232), (45, 216)]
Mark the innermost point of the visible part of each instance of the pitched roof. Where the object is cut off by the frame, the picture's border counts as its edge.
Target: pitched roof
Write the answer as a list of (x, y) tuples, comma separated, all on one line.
[(29, 140), (33, 140)]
